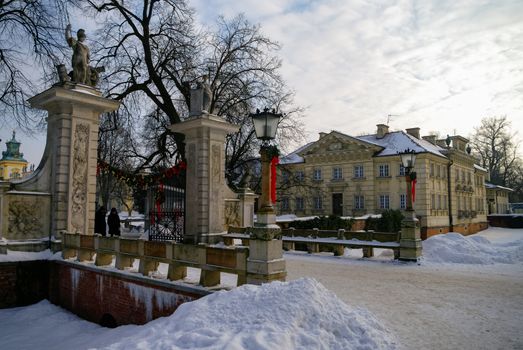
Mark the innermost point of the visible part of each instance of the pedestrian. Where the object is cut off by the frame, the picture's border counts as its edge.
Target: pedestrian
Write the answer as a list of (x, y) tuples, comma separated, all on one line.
[(99, 221), (113, 220)]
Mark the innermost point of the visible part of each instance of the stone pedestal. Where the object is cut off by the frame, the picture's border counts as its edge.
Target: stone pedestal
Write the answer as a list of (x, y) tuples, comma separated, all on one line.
[(68, 167), (410, 240), (206, 188), (247, 198), (265, 262)]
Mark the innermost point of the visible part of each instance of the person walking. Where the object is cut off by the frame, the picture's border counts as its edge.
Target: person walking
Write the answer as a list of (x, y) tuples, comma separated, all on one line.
[(99, 221), (113, 220)]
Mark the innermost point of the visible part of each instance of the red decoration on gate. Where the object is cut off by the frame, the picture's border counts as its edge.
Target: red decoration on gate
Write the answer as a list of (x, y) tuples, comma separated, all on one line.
[(413, 190), (274, 161)]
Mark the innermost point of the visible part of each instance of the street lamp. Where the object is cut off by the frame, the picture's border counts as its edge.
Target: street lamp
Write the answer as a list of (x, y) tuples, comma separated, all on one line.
[(408, 159), (410, 240), (265, 126)]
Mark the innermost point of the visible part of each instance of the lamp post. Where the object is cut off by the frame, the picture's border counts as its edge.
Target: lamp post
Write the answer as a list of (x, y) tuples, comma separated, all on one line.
[(410, 239), (408, 159), (265, 125)]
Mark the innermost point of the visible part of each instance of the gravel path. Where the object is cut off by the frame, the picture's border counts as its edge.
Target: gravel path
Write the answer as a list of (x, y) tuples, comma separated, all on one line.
[(428, 307)]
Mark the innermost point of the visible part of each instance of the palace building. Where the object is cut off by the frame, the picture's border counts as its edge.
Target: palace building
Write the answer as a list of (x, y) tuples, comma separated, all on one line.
[(13, 165), (358, 175)]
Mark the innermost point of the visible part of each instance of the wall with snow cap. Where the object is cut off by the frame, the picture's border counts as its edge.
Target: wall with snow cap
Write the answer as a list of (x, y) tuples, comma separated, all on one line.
[(94, 294)]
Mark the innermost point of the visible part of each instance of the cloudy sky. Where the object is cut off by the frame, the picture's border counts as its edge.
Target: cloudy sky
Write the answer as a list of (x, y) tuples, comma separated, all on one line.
[(439, 65)]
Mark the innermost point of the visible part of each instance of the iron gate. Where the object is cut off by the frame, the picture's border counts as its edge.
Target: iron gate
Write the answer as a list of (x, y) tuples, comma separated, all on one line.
[(166, 213)]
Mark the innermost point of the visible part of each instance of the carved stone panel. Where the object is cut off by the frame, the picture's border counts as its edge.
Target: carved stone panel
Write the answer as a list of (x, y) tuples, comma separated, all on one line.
[(27, 217), (78, 197), (232, 213), (216, 164)]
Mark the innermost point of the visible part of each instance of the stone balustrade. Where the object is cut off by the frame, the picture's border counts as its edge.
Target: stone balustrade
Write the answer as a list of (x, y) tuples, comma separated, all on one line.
[(212, 260)]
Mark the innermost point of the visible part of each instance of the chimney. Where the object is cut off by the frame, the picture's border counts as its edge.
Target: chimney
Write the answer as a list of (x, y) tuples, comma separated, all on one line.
[(430, 138), (382, 130), (322, 135), (413, 132)]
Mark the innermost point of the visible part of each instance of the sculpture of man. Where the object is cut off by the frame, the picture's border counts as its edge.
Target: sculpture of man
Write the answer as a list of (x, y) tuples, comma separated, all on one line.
[(81, 57)]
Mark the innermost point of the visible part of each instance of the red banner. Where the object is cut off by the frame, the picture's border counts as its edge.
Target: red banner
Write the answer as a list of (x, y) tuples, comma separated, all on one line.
[(413, 191), (274, 162)]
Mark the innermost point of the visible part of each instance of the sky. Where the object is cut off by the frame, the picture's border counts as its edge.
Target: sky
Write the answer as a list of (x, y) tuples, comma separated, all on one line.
[(439, 65)]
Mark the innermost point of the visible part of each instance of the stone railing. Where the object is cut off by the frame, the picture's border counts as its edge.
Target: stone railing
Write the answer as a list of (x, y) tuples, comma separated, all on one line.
[(210, 259)]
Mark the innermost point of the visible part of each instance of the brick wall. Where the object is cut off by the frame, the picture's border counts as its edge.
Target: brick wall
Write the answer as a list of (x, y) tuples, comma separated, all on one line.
[(464, 229), (107, 296), (23, 283), (110, 298)]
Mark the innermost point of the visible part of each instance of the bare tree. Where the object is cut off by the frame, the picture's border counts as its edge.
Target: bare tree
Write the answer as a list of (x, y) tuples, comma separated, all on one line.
[(28, 35), (153, 54), (497, 147)]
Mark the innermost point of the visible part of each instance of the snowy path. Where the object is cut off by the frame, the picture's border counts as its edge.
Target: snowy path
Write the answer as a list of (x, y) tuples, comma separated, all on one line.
[(428, 307)]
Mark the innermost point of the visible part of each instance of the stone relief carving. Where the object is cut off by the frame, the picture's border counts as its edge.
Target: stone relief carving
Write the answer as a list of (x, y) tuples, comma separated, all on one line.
[(24, 220), (79, 185), (232, 213), (216, 164)]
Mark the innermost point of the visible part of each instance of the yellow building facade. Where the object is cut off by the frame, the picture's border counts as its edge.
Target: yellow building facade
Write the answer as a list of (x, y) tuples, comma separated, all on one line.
[(355, 176), (12, 164)]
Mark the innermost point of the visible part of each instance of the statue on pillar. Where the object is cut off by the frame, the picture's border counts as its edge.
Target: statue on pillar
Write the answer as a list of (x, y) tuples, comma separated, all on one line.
[(201, 98), (81, 56)]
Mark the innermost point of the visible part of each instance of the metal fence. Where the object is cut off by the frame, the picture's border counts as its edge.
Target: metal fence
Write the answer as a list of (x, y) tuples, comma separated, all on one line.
[(165, 213)]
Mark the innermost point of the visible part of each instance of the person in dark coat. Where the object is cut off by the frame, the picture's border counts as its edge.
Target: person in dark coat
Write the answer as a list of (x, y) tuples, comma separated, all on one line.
[(113, 220), (99, 221)]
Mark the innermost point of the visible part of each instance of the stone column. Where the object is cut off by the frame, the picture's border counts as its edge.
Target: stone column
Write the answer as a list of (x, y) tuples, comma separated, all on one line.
[(70, 158), (410, 239), (265, 262), (206, 188), (247, 198)]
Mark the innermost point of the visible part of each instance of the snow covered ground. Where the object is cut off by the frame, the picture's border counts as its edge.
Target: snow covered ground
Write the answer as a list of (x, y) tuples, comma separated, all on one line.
[(467, 303)]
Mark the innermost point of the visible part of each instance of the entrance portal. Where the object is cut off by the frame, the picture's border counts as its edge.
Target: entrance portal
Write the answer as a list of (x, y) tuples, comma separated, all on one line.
[(337, 204)]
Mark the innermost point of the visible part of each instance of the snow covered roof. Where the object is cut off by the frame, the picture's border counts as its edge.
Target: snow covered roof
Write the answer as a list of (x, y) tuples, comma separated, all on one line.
[(398, 141), (294, 158), (480, 168), (497, 187)]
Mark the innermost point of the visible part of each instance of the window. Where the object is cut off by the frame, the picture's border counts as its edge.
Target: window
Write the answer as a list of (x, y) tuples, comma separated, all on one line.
[(438, 173), (284, 205), (359, 202), (445, 203), (459, 203), (358, 171), (433, 201), (384, 201), (384, 170), (457, 175), (299, 203), (403, 201), (402, 170), (299, 175), (431, 169), (318, 203), (440, 206), (316, 174), (285, 177), (337, 173), (469, 178)]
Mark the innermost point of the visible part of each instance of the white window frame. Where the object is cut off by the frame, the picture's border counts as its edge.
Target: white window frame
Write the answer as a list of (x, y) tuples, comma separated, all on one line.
[(337, 173), (384, 201), (403, 201), (383, 170), (316, 174), (318, 203), (359, 202), (358, 171), (300, 203)]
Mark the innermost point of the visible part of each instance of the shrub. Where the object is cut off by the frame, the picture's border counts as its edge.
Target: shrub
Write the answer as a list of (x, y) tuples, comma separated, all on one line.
[(331, 222), (390, 221)]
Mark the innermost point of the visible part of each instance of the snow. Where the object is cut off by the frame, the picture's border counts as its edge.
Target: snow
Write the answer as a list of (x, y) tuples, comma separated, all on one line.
[(300, 314), (455, 248), (13, 255), (398, 141), (370, 303)]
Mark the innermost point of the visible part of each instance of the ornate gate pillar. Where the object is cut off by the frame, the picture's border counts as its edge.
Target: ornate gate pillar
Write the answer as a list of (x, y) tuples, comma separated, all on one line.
[(68, 168), (206, 188)]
